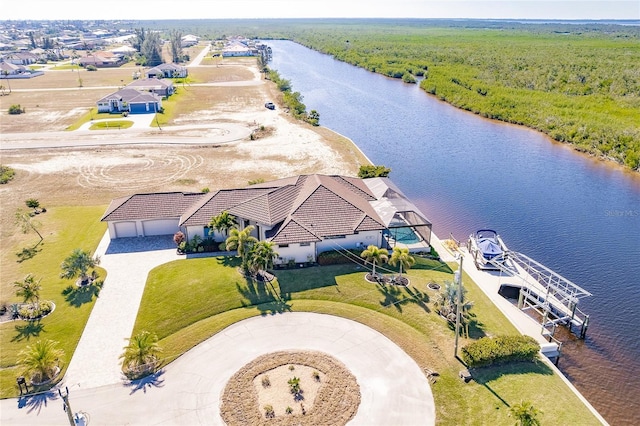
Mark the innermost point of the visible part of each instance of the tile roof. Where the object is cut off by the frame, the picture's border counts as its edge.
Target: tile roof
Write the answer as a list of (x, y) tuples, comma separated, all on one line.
[(131, 96), (150, 206), (299, 209)]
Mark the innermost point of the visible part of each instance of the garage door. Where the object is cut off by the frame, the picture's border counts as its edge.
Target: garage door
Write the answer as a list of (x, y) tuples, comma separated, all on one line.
[(160, 227), (125, 229)]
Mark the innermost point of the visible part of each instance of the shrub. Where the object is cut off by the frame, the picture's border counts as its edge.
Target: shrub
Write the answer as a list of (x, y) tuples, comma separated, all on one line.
[(266, 382), (91, 68), (30, 312), (288, 410), (268, 411), (369, 171), (15, 109), (178, 238), (6, 174), (499, 350)]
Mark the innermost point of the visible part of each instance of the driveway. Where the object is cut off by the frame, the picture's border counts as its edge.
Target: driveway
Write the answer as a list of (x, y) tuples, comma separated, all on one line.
[(393, 389)]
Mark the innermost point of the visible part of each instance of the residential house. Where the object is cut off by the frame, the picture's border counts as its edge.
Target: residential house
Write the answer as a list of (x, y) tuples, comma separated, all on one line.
[(237, 48), (162, 87), (101, 60), (167, 71), (8, 68), (21, 58), (302, 215), (130, 100), (189, 40)]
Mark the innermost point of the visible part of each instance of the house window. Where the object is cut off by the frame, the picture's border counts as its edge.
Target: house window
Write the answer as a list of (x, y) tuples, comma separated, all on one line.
[(305, 244), (334, 237), (208, 232), (283, 245)]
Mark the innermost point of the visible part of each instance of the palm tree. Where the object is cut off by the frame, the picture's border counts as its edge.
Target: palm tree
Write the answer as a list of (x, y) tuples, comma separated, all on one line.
[(526, 414), (262, 255), (5, 73), (40, 361), (401, 255), (141, 354), (223, 222), (375, 255), (447, 305), (27, 223), (78, 263), (242, 241), (29, 290)]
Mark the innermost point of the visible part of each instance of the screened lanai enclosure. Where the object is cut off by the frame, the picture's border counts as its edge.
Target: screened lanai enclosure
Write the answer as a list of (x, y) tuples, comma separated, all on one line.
[(406, 224)]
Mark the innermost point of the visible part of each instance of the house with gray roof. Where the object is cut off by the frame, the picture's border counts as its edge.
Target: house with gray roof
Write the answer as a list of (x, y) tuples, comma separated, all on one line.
[(163, 87), (167, 71), (302, 215), (130, 100)]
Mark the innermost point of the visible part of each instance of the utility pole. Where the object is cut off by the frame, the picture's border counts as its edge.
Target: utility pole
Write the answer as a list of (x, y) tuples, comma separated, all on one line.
[(458, 278), (67, 406)]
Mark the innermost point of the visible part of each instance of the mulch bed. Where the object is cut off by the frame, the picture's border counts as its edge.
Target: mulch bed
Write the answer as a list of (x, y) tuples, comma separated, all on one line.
[(383, 279), (336, 403)]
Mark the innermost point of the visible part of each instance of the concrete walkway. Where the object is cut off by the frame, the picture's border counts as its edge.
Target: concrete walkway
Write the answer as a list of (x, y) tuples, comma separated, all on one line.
[(96, 359), (394, 391)]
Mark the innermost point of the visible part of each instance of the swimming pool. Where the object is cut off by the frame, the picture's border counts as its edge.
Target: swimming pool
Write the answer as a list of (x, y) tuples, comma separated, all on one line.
[(403, 235)]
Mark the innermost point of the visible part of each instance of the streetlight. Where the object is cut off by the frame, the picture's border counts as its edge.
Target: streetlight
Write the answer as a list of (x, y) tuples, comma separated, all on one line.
[(458, 280)]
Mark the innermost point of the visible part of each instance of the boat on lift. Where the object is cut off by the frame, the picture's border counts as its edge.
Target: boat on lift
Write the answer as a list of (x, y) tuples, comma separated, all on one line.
[(487, 249)]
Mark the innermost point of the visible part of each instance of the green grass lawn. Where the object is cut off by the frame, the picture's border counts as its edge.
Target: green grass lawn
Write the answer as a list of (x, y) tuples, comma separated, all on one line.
[(111, 125), (93, 114), (73, 305), (185, 302)]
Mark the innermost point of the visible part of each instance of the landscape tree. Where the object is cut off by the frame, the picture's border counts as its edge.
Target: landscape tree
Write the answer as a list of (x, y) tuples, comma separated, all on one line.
[(223, 222), (525, 413), (26, 223), (401, 256), (5, 74), (152, 49), (40, 361), (175, 45), (262, 256), (242, 241), (78, 264), (375, 255), (369, 171), (141, 355), (138, 40), (33, 203), (29, 290), (446, 303)]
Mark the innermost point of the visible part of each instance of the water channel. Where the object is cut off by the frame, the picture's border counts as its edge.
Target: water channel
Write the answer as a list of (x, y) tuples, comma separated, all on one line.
[(577, 215)]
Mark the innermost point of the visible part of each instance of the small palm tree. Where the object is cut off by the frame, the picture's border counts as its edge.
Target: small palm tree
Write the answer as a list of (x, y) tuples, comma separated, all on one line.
[(41, 360), (262, 256), (29, 289), (78, 264), (375, 255), (27, 223), (526, 414), (447, 305), (223, 222), (400, 255), (242, 241), (140, 356)]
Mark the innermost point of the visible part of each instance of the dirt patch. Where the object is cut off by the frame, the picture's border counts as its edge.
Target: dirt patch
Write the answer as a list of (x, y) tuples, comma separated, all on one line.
[(331, 398)]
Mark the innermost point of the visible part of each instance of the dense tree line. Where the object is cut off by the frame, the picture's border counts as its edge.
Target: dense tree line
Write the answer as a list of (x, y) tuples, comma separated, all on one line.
[(578, 83)]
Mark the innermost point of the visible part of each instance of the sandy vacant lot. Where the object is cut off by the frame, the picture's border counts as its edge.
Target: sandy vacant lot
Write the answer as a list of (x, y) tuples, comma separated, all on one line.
[(231, 93)]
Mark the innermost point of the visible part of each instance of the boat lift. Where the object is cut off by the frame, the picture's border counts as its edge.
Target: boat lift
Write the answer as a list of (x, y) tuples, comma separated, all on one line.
[(551, 295)]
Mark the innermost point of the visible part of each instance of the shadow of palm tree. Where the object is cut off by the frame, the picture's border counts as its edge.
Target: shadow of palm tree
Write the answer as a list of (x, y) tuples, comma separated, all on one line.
[(264, 296), (418, 297), (28, 330), (392, 296), (27, 253), (154, 380), (35, 402), (231, 261), (78, 296)]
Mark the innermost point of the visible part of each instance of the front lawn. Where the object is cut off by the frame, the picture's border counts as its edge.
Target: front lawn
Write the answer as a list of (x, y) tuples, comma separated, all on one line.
[(73, 305), (185, 302)]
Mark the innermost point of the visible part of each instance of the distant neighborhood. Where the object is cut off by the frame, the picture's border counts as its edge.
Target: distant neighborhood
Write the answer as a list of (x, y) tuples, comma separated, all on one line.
[(29, 48)]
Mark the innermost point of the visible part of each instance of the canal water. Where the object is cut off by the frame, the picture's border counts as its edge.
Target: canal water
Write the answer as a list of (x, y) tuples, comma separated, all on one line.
[(574, 214)]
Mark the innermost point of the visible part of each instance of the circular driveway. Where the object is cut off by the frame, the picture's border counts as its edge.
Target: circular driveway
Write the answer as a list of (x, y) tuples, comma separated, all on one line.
[(394, 391)]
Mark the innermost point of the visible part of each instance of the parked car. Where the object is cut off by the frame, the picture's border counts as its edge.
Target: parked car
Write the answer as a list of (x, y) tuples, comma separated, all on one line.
[(270, 105)]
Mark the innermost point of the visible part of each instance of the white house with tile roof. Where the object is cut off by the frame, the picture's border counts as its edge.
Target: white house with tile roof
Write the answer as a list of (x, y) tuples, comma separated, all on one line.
[(302, 215)]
